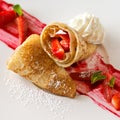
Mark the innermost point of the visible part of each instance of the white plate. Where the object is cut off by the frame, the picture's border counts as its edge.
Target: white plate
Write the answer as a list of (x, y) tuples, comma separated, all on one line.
[(20, 100)]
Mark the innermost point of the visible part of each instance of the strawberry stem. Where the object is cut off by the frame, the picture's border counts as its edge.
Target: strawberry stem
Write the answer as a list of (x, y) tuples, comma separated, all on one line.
[(17, 8)]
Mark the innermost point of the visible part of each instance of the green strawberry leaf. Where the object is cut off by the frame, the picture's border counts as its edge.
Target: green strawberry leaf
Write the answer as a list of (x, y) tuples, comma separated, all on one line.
[(17, 8), (112, 82), (97, 76)]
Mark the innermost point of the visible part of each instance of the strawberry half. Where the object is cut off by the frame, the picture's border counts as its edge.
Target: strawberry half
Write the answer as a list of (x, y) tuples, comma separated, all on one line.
[(21, 23), (82, 87), (13, 33), (6, 17), (116, 101), (22, 28)]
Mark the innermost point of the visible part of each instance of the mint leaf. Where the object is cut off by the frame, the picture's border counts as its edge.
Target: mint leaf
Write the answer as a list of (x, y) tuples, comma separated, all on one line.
[(17, 8), (112, 82), (97, 76)]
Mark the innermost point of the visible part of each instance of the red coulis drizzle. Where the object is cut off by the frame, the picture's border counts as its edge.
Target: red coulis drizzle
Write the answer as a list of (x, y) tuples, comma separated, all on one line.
[(83, 70), (80, 72), (10, 33)]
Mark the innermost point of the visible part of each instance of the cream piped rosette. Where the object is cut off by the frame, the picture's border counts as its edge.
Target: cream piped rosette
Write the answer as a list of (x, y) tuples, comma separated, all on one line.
[(89, 27)]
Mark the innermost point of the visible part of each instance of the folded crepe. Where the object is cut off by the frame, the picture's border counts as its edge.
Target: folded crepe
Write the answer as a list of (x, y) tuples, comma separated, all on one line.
[(31, 62), (78, 48)]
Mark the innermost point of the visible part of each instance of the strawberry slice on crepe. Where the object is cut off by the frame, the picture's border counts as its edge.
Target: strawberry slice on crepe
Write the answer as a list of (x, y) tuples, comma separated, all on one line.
[(57, 49)]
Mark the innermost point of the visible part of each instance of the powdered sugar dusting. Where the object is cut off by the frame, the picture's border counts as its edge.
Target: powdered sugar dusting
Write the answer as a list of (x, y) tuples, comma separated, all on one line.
[(24, 92)]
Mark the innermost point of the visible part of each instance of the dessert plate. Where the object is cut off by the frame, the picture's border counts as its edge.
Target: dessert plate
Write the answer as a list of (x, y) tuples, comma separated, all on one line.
[(20, 99)]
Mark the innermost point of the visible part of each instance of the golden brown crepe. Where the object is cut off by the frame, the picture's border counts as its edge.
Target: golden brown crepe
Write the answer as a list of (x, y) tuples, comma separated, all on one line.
[(79, 49), (31, 62)]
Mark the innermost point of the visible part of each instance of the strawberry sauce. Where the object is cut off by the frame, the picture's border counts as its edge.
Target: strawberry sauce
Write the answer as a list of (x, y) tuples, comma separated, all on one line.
[(99, 92)]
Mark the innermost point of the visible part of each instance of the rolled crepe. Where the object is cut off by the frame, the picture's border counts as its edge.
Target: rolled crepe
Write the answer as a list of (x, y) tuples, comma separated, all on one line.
[(31, 62), (78, 49)]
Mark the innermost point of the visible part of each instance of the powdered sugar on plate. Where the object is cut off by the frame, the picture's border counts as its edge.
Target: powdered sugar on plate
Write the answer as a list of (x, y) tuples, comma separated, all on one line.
[(24, 92), (27, 94)]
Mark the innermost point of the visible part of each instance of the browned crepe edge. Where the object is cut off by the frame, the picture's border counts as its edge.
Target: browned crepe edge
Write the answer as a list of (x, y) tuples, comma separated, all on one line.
[(79, 49), (31, 62)]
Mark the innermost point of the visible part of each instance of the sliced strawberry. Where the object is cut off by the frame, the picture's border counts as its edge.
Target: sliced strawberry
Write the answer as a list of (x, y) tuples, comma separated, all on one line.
[(22, 28), (82, 87), (56, 49), (108, 91), (116, 73), (65, 41), (6, 17), (84, 75), (65, 45), (116, 101)]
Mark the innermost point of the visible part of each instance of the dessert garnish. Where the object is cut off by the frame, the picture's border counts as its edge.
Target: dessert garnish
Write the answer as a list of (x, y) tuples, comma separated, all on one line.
[(97, 76), (89, 27), (16, 24)]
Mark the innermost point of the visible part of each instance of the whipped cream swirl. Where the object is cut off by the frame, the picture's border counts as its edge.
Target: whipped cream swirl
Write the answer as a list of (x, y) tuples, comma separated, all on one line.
[(89, 27)]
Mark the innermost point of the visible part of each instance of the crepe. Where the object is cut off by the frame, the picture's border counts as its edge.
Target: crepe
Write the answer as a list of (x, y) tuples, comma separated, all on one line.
[(31, 62), (79, 49)]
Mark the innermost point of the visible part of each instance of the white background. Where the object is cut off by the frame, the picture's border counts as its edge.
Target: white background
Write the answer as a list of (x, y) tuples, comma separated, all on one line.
[(35, 104)]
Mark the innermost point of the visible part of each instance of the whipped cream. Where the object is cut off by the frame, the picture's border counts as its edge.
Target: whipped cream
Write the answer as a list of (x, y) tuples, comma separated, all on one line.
[(89, 27)]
